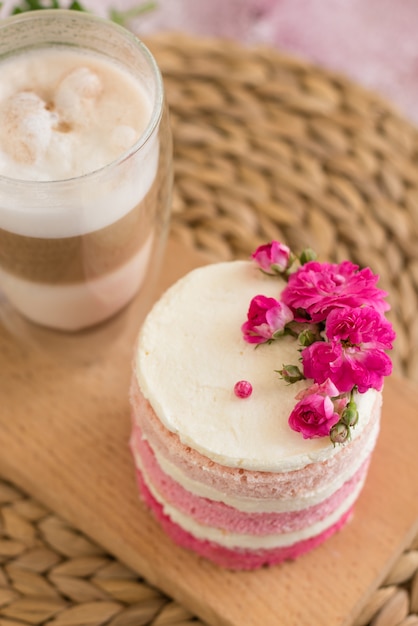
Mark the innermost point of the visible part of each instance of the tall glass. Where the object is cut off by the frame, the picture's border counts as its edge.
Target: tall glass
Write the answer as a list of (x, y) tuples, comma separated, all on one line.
[(76, 250)]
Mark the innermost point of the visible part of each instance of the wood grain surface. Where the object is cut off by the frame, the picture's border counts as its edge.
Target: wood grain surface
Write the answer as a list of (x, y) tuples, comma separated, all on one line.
[(64, 428)]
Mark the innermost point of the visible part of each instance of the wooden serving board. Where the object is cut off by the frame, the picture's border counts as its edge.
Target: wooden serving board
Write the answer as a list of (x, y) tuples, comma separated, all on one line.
[(64, 428)]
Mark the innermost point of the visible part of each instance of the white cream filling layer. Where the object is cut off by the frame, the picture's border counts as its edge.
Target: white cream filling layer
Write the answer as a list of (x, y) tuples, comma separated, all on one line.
[(72, 307), (265, 542), (200, 318), (264, 505)]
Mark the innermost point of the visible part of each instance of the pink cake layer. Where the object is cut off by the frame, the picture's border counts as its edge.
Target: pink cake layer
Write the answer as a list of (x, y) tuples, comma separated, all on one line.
[(220, 515), (239, 482), (227, 557)]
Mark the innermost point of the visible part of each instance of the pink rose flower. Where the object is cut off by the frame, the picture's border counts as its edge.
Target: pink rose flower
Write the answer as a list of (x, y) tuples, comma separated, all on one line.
[(355, 353), (318, 359), (360, 325), (267, 318), (272, 257), (327, 388), (313, 416), (317, 288)]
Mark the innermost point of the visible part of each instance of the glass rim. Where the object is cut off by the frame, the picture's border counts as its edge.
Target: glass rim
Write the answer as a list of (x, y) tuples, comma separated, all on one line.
[(157, 108)]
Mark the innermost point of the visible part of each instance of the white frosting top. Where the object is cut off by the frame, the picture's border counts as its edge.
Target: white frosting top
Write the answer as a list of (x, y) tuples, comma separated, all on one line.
[(190, 355)]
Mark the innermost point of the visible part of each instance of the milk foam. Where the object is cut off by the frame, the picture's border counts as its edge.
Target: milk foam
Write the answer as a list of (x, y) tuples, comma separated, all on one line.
[(59, 109), (63, 114)]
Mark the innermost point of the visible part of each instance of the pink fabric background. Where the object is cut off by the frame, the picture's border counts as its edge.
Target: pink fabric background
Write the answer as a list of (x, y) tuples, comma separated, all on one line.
[(373, 42)]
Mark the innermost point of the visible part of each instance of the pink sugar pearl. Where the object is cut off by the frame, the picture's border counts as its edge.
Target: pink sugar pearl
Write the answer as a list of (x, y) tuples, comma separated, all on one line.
[(243, 389)]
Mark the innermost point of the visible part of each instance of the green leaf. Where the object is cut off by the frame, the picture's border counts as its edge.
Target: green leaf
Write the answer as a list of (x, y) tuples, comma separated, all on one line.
[(76, 6), (121, 17), (33, 5), (36, 5)]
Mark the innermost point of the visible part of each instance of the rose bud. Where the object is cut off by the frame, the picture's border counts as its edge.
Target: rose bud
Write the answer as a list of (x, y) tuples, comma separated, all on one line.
[(350, 414), (273, 257), (339, 433), (307, 337), (291, 373), (307, 255)]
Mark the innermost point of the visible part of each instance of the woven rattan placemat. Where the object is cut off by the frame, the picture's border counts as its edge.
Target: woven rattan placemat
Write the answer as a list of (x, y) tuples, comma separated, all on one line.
[(265, 147)]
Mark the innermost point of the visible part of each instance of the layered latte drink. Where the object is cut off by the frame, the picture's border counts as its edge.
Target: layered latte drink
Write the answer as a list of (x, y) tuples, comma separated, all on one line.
[(85, 167)]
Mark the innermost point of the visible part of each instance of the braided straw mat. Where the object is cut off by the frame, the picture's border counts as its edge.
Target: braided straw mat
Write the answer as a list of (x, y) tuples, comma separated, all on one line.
[(266, 147)]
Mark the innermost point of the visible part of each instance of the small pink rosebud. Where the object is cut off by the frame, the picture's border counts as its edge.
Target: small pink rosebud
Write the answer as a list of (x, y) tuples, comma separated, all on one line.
[(272, 258), (243, 389), (313, 416), (266, 320)]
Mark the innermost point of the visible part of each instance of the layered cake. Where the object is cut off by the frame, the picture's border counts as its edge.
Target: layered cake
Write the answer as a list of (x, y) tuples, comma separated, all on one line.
[(256, 399)]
